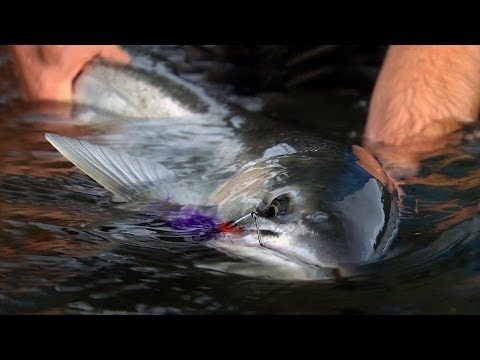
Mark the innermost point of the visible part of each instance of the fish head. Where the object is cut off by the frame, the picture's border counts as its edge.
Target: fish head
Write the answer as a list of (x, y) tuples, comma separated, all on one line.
[(316, 210)]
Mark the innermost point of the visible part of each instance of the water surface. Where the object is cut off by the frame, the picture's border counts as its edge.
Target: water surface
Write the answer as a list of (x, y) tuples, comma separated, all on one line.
[(65, 248)]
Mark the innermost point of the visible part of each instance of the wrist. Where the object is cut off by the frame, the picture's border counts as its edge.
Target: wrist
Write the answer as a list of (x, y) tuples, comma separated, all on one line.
[(424, 92)]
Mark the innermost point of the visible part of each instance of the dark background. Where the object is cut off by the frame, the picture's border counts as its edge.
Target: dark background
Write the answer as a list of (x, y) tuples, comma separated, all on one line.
[(258, 68)]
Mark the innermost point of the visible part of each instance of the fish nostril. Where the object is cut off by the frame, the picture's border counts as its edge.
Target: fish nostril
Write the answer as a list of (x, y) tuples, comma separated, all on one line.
[(319, 217)]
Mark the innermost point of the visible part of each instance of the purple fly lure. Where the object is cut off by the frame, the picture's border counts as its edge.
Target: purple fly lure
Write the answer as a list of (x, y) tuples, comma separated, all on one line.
[(201, 227)]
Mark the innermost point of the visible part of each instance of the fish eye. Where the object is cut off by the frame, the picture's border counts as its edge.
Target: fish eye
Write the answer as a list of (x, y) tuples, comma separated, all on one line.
[(272, 210), (278, 206)]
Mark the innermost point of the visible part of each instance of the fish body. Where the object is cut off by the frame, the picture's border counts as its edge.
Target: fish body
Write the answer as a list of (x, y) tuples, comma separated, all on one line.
[(318, 211)]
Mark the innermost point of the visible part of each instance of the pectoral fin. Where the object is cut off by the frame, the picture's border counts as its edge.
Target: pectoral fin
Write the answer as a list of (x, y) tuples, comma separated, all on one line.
[(124, 175)]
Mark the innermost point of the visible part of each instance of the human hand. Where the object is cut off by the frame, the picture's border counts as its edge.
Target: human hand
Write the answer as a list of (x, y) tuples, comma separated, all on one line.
[(47, 72), (423, 96)]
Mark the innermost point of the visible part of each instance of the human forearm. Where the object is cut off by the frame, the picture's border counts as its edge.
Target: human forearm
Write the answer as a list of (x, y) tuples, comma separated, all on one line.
[(424, 92)]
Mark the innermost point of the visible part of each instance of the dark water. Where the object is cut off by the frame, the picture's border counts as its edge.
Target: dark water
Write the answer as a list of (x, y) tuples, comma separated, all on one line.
[(65, 249)]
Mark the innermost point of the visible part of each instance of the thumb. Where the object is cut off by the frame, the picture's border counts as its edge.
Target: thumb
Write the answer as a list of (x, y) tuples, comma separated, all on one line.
[(115, 54)]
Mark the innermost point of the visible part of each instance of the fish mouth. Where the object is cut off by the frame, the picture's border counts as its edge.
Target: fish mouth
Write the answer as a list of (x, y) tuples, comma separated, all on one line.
[(284, 252), (257, 231), (261, 232), (274, 243), (278, 251), (265, 252)]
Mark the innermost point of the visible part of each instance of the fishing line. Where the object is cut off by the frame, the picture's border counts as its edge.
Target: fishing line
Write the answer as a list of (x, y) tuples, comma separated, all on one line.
[(241, 219)]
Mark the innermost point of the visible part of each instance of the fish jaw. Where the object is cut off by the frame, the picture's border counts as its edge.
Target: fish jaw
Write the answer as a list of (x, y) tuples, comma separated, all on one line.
[(263, 262)]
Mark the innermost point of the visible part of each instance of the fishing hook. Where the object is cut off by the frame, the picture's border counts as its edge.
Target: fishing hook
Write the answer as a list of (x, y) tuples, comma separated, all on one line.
[(254, 215)]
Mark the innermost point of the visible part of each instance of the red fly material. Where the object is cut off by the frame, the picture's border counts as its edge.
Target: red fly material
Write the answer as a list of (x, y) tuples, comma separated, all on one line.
[(228, 227)]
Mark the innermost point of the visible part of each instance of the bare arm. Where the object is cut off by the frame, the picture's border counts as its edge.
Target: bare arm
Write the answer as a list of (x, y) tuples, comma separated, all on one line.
[(423, 94)]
